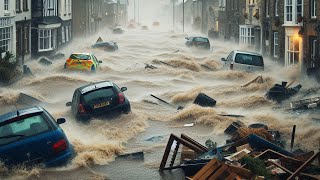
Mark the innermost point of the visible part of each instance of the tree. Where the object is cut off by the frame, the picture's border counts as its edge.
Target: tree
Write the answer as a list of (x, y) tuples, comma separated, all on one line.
[(8, 66)]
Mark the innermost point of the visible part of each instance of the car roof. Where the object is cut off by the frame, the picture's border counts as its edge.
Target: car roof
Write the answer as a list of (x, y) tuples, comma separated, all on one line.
[(83, 53), (198, 37), (248, 52), (20, 112), (93, 86)]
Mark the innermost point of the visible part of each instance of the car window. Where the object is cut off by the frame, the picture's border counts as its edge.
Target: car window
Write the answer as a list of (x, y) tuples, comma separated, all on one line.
[(229, 58), (23, 128), (197, 39), (95, 59), (249, 59), (80, 56), (99, 94)]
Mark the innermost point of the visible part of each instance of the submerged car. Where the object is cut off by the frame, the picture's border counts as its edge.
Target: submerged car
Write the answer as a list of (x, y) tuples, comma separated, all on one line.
[(243, 60), (31, 137), (99, 99), (107, 46), (82, 61), (199, 42), (118, 30)]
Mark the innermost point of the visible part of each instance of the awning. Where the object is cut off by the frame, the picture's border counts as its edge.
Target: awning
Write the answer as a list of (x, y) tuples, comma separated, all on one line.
[(47, 20)]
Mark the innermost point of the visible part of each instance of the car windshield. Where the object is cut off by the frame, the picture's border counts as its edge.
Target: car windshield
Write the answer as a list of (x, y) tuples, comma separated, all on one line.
[(249, 59), (99, 94), (198, 39), (80, 56), (23, 128)]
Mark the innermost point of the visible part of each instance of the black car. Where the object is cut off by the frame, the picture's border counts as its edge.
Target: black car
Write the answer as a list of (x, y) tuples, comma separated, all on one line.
[(107, 46), (199, 42), (99, 99)]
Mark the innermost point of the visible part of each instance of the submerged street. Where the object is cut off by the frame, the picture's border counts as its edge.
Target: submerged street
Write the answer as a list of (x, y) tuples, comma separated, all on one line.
[(150, 123)]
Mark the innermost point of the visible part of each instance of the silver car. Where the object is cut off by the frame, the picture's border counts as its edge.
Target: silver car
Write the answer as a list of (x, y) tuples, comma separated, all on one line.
[(243, 60)]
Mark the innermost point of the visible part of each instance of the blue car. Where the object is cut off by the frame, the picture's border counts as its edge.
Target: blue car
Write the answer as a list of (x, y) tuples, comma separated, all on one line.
[(31, 137)]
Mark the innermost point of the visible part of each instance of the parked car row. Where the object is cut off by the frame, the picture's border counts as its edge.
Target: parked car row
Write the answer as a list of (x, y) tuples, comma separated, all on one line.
[(31, 136)]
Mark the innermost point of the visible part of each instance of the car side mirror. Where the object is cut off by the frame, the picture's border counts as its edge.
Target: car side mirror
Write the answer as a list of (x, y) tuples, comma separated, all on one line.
[(186, 38), (69, 104), (61, 120), (100, 61), (223, 59), (124, 89)]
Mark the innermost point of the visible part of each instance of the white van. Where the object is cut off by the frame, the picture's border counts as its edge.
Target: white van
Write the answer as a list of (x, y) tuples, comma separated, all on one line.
[(245, 61)]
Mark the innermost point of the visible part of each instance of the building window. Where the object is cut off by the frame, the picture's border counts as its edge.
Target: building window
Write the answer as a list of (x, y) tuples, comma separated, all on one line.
[(47, 39), (63, 35), (299, 8), (293, 51), (6, 5), (313, 10), (69, 6), (26, 39), (18, 6), (65, 7), (275, 44), (288, 10), (5, 38), (50, 8), (276, 13), (313, 45), (67, 33), (267, 8), (25, 5), (247, 35)]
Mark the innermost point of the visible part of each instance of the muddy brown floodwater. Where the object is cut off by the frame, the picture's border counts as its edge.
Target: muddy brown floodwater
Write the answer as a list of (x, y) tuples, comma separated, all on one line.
[(99, 142)]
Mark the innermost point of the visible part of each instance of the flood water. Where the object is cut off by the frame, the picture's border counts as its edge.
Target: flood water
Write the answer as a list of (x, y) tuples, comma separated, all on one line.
[(98, 143)]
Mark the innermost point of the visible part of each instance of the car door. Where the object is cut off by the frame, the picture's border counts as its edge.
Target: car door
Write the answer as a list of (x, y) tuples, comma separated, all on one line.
[(75, 102), (95, 61), (35, 148), (228, 61)]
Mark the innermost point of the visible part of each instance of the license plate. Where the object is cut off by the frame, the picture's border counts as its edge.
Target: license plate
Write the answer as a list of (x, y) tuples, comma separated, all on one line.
[(101, 105)]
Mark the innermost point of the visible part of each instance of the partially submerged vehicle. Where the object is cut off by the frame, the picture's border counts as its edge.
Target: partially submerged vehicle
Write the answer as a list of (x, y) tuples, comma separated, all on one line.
[(31, 136), (243, 60), (118, 30), (107, 46), (99, 99), (83, 62), (198, 42)]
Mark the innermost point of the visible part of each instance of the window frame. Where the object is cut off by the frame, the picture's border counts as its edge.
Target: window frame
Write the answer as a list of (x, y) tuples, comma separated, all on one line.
[(25, 5), (49, 36), (313, 9), (6, 5), (276, 44), (276, 10), (18, 6), (5, 32)]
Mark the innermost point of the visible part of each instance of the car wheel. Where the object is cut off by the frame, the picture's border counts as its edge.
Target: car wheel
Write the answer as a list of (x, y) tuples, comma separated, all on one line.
[(127, 109), (93, 69)]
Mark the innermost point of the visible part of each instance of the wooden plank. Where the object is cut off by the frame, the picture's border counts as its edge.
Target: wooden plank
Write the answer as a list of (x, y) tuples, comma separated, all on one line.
[(187, 138), (179, 141), (301, 168), (221, 170), (233, 176), (211, 164)]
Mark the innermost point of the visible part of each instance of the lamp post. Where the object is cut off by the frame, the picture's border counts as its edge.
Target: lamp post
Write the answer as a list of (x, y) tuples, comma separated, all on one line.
[(183, 15)]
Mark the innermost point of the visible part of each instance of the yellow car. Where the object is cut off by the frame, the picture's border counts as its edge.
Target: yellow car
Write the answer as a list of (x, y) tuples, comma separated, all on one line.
[(82, 61)]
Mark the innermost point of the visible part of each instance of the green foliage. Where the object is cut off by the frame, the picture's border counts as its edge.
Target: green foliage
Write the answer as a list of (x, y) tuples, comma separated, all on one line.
[(257, 166), (8, 67), (210, 144)]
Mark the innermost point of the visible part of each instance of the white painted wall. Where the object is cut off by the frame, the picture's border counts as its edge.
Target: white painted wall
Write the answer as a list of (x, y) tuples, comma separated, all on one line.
[(24, 15), (65, 13)]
